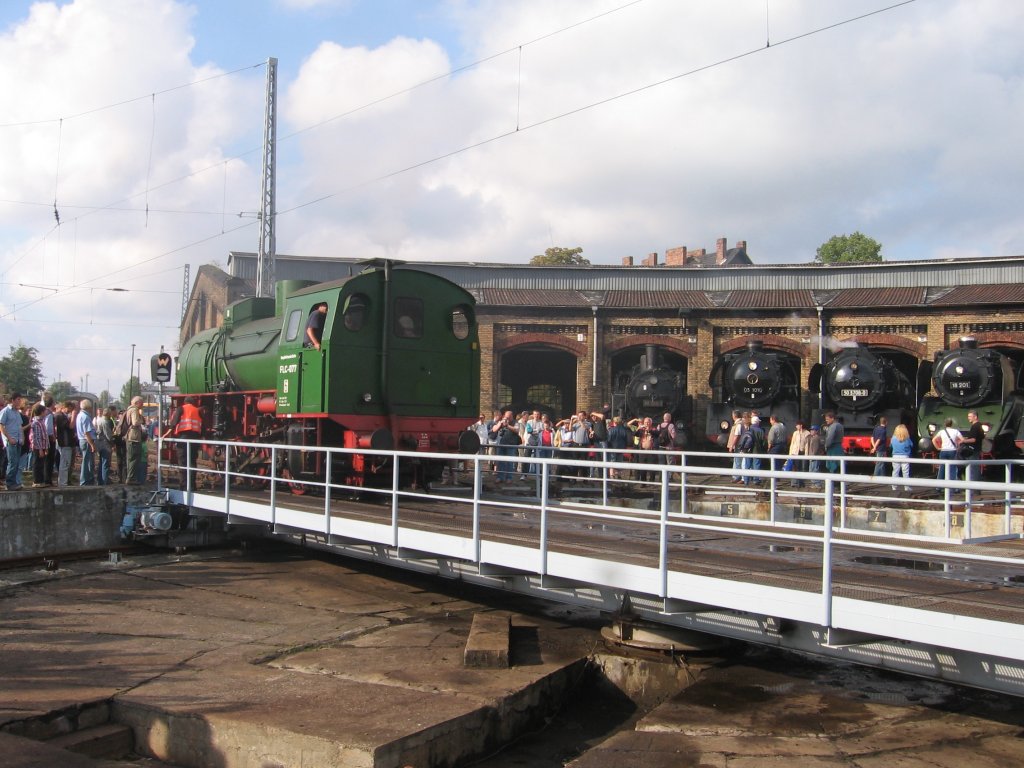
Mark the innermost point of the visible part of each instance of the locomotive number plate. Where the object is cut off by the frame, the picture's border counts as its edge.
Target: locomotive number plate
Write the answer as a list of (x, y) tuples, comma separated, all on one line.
[(959, 385), (853, 392)]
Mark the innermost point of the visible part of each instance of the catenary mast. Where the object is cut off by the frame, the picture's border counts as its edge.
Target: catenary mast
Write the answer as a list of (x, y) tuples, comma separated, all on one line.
[(268, 211)]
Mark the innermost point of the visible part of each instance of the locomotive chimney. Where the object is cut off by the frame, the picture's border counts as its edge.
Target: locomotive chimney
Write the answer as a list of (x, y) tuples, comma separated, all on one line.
[(650, 356), (757, 345), (968, 342)]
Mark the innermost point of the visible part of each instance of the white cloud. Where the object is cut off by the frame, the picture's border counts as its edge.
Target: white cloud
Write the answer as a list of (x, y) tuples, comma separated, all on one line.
[(904, 125)]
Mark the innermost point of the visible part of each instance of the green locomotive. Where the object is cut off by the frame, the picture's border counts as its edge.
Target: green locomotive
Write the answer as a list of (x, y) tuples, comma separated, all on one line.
[(396, 366)]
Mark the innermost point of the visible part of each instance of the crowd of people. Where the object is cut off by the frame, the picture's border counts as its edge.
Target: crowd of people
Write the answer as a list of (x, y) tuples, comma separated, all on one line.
[(47, 439), (514, 439)]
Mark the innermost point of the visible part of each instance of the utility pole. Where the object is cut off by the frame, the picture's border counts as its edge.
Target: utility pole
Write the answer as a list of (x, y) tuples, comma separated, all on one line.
[(268, 210), (186, 286)]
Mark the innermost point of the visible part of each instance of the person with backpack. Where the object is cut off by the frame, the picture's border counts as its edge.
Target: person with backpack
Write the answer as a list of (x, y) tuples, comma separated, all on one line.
[(666, 436), (134, 437)]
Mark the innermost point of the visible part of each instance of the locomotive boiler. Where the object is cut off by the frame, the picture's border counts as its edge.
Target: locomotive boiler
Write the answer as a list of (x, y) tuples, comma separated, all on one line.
[(860, 386), (398, 368), (752, 379), (967, 378)]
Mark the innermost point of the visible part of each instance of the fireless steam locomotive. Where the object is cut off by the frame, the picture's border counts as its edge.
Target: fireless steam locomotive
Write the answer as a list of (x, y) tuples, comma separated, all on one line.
[(752, 379), (971, 379), (398, 368), (861, 386)]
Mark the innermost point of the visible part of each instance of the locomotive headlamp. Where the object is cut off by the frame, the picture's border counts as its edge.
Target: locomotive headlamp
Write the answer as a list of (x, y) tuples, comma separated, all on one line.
[(959, 370), (932, 428), (367, 397), (752, 365), (724, 425), (854, 366), (453, 401), (985, 428)]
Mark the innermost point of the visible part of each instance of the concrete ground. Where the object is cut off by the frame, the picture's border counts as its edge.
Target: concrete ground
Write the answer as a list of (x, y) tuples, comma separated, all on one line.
[(267, 659), (275, 657)]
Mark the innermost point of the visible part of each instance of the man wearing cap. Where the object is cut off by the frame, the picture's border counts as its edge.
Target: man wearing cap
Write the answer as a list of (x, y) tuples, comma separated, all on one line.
[(10, 428)]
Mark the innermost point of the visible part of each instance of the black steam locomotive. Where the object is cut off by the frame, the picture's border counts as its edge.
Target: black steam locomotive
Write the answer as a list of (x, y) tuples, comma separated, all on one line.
[(652, 389), (752, 379), (860, 386), (965, 379)]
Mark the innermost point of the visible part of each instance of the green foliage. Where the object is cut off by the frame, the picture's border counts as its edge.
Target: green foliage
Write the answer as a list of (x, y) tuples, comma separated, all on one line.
[(61, 391), (21, 372), (565, 257), (850, 249), (131, 388)]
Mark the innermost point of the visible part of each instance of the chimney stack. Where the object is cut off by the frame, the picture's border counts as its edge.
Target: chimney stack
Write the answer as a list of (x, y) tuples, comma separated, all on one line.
[(675, 257), (651, 260), (720, 248), (627, 261)]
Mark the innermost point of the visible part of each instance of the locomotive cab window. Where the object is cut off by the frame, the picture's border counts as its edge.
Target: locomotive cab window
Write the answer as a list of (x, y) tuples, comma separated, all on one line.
[(354, 311), (291, 332), (408, 322), (460, 322)]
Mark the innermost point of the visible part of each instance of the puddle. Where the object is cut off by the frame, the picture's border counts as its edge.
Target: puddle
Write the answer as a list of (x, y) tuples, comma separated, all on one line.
[(901, 562)]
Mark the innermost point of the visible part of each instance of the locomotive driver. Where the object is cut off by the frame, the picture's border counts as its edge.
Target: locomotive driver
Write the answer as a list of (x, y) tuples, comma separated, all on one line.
[(315, 326)]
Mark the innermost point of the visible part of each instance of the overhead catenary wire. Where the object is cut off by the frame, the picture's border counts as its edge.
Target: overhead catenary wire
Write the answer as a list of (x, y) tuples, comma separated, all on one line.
[(501, 135)]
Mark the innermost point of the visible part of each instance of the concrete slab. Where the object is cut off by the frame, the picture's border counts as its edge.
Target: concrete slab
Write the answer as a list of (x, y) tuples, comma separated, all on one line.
[(779, 709), (271, 659), (488, 642)]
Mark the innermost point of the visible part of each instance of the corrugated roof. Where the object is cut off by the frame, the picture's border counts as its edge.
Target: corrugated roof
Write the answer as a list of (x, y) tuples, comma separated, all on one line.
[(525, 297), (1010, 293), (778, 299), (656, 299), (878, 297)]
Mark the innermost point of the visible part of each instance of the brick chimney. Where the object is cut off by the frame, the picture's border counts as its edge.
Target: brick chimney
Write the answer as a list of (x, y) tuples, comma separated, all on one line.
[(651, 260), (721, 246), (742, 245), (627, 261), (676, 257)]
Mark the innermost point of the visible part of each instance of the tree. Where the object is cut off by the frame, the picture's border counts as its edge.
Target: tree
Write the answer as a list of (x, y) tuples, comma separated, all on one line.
[(21, 372), (850, 249), (129, 390), (61, 391), (565, 257)]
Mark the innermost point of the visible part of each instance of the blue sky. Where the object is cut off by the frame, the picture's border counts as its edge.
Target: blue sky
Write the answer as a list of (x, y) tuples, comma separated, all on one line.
[(622, 127)]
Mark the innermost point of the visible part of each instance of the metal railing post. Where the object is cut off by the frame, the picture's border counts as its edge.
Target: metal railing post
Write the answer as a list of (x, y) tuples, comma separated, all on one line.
[(327, 493), (604, 476), (842, 494), (394, 500), (682, 483), (663, 534), (227, 479), (273, 488), (544, 486), (477, 492), (1008, 499), (826, 554)]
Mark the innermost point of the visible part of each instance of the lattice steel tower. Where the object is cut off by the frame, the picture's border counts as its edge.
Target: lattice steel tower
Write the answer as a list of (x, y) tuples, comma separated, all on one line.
[(268, 210)]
